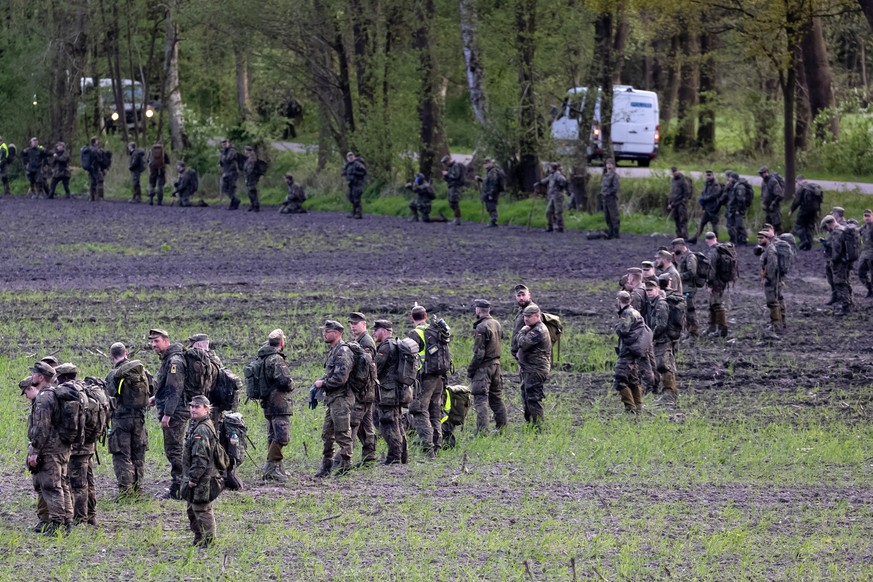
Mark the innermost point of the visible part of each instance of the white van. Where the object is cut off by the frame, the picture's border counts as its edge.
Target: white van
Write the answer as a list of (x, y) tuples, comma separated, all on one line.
[(635, 125)]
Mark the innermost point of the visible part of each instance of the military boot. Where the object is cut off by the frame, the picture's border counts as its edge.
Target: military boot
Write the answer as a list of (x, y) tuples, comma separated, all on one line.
[(6, 190), (151, 198), (53, 528), (342, 466), (549, 228), (637, 391), (627, 398), (326, 468), (493, 223), (231, 481)]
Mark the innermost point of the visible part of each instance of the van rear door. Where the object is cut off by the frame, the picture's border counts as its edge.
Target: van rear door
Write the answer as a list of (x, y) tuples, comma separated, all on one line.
[(634, 122)]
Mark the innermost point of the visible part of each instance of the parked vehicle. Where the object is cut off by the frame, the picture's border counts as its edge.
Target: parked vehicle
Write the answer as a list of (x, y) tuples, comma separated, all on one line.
[(136, 106), (636, 132)]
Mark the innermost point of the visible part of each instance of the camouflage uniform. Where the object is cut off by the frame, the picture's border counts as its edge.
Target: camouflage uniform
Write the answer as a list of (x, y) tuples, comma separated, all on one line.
[(717, 288), (82, 487), (711, 201), (772, 283), (455, 180), (735, 200), (60, 172), (626, 379), (840, 269), (609, 187), (136, 166), (556, 185), (424, 196), (361, 425), (771, 200), (427, 407), (51, 480), (33, 159), (494, 185), (646, 365), (484, 372), (678, 202), (97, 172), (535, 362), (128, 439), (687, 263), (294, 200), (657, 318), (227, 161), (251, 181), (675, 278), (185, 186), (808, 203), (199, 466), (519, 323), (170, 401), (355, 173), (865, 266), (390, 424), (338, 404), (277, 403), (157, 174)]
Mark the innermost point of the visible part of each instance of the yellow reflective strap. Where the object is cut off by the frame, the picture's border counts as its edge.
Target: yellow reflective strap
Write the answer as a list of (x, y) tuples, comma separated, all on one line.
[(447, 407), (120, 382)]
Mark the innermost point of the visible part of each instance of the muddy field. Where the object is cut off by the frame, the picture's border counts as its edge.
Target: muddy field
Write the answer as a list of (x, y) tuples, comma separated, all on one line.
[(113, 266)]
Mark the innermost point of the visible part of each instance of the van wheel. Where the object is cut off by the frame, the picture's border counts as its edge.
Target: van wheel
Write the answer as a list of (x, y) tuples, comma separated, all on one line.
[(644, 163)]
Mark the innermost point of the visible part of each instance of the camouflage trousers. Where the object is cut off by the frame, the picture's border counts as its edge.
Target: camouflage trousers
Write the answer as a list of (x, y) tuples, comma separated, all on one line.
[(174, 443), (666, 365), (490, 207), (532, 394), (36, 180), (127, 443), (647, 369), (362, 428), (626, 374), (391, 427), (228, 185), (427, 410), (455, 200), (202, 520), (52, 486), (611, 215), (96, 184), (774, 217), (487, 388), (717, 309), (64, 181), (136, 186), (157, 182), (421, 205), (278, 429), (736, 226), (679, 214), (356, 192), (775, 300), (804, 225), (254, 200), (842, 287), (337, 425), (691, 312), (82, 487), (555, 209), (865, 268)]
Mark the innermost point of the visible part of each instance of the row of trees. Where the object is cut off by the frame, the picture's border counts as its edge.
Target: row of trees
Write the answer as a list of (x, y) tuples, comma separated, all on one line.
[(388, 77)]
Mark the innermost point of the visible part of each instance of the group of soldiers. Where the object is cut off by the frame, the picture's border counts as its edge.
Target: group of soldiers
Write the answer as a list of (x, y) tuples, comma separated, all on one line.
[(62, 470)]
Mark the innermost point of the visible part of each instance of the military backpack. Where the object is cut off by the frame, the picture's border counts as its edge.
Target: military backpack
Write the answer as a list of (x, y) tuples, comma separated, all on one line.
[(256, 382), (704, 269), (726, 265), (156, 159), (437, 355), (86, 157), (640, 340), (96, 411), (555, 328), (132, 386), (70, 420), (745, 193), (785, 253), (458, 400), (224, 395), (851, 243), (363, 378), (406, 364), (201, 372), (233, 436), (676, 317)]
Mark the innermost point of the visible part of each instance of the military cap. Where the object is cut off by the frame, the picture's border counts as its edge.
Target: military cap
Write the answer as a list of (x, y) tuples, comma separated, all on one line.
[(765, 233), (418, 311), (200, 400), (665, 254), (276, 334), (674, 169), (488, 161), (383, 324), (25, 383), (117, 349), (868, 212), (350, 154), (289, 175), (66, 368), (180, 163), (764, 169), (249, 149), (332, 325), (678, 241), (650, 283), (153, 333), (51, 361), (647, 265), (767, 226), (623, 296), (829, 219), (483, 303), (709, 172), (520, 287), (225, 140), (356, 316), (44, 369), (838, 210), (735, 176), (446, 159), (531, 309), (709, 235), (198, 337), (635, 271)]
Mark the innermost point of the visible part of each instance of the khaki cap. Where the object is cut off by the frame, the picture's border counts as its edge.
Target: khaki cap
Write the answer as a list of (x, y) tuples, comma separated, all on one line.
[(158, 332), (44, 369), (356, 316), (332, 325), (531, 309), (65, 369)]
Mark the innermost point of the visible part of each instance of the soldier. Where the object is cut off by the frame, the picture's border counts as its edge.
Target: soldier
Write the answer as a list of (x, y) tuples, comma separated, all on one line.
[(252, 176), (355, 173), (677, 203), (158, 162), (97, 171), (664, 264), (840, 267), (186, 183), (48, 456), (865, 268), (657, 318), (4, 162), (626, 380), (277, 404), (711, 200), (427, 408), (454, 174), (60, 169), (338, 401), (295, 198), (686, 261), (807, 202), (535, 361), (718, 324), (199, 465), (609, 188), (33, 159), (637, 290), (491, 188), (556, 184), (522, 299), (771, 198), (772, 280), (136, 165), (170, 400), (389, 414), (738, 194), (484, 369), (362, 425), (227, 161), (424, 196), (839, 214), (128, 438), (648, 270)]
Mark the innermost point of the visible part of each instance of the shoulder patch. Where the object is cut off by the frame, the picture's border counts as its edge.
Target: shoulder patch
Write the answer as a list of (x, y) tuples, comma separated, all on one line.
[(172, 368)]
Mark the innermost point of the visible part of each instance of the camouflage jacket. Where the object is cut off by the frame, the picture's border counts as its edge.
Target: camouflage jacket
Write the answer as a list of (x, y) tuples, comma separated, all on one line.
[(609, 184), (355, 172), (675, 277), (227, 161), (519, 323), (455, 175), (424, 191), (487, 334), (535, 349), (33, 158), (295, 194), (834, 249), (337, 367), (771, 193), (185, 183), (251, 176), (867, 240), (136, 161), (198, 458), (495, 183), (556, 183), (277, 377), (657, 318), (61, 164), (679, 191), (711, 198), (366, 342), (638, 298), (627, 329), (770, 265), (44, 438), (386, 363), (806, 200), (687, 267), (170, 395)]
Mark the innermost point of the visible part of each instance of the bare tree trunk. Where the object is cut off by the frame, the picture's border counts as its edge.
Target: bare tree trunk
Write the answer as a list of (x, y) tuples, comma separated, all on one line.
[(525, 46), (243, 97), (863, 66), (803, 113), (427, 100), (708, 92), (788, 80), (171, 83), (818, 75), (867, 9), (138, 107), (622, 32), (671, 91), (686, 137), (603, 42), (472, 63), (362, 36)]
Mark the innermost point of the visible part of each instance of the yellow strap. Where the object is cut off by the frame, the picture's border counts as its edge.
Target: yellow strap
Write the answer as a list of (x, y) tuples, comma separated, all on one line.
[(448, 407), (120, 382), (420, 331)]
